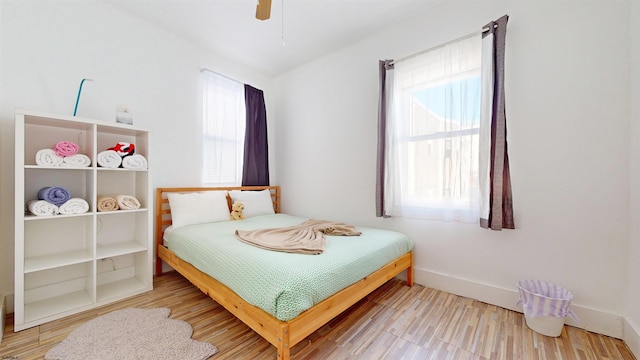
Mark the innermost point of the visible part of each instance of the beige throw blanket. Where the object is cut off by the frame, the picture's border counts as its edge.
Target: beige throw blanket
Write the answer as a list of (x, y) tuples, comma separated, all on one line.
[(306, 238)]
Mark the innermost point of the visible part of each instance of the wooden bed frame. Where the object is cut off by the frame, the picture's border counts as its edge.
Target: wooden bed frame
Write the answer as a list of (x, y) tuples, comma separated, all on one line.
[(281, 334)]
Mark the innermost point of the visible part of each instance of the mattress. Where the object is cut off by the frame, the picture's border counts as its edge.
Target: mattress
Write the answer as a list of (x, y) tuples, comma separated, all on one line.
[(284, 284)]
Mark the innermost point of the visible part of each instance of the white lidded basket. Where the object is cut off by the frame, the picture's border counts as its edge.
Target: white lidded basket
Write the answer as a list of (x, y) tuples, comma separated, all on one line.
[(545, 306)]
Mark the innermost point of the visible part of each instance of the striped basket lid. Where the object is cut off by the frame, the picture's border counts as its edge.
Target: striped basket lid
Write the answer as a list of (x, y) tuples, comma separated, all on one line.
[(541, 298)]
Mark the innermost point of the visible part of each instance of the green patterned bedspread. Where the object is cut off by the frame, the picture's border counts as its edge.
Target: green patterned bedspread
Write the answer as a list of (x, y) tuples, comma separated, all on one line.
[(284, 284)]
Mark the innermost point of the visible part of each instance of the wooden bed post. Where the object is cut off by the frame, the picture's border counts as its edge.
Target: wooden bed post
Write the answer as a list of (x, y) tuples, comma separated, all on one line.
[(410, 272), (284, 350), (159, 229)]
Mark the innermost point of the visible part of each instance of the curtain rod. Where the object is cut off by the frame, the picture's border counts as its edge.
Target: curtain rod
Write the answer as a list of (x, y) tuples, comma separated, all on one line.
[(484, 30), (217, 73)]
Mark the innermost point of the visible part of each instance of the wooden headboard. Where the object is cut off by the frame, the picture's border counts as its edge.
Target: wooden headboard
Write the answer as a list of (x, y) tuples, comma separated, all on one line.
[(163, 211)]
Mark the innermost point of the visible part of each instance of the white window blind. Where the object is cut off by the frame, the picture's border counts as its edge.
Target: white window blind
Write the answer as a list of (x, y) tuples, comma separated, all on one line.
[(223, 130)]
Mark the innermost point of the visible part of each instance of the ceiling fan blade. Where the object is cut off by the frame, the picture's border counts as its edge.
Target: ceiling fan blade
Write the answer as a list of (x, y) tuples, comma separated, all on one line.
[(263, 9)]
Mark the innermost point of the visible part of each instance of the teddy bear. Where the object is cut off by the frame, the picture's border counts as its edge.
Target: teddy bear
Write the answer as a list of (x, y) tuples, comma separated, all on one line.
[(236, 211)]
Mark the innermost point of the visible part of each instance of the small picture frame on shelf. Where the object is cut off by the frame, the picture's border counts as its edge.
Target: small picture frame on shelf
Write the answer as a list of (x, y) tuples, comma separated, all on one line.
[(123, 115)]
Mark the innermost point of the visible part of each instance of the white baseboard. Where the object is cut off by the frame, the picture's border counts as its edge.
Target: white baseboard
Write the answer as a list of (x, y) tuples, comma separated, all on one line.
[(632, 336), (594, 320)]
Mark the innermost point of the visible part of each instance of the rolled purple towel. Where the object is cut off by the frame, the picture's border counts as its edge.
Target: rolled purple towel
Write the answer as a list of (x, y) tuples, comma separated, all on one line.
[(66, 148), (54, 194)]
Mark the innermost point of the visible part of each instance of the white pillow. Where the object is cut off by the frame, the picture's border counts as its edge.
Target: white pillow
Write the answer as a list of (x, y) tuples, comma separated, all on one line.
[(255, 202), (198, 207)]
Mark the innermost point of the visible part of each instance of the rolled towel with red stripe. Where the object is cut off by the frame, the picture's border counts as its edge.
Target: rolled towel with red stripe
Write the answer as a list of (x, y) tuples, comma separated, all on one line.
[(123, 149)]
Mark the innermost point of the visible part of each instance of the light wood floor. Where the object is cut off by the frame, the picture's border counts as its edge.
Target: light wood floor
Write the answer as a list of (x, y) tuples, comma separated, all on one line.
[(394, 322)]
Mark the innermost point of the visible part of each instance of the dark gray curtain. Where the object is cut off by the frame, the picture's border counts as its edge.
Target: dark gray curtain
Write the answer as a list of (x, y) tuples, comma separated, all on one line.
[(256, 153), (500, 205), (383, 66)]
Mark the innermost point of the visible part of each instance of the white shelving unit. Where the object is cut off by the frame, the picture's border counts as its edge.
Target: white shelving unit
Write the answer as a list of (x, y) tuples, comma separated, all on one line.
[(65, 264)]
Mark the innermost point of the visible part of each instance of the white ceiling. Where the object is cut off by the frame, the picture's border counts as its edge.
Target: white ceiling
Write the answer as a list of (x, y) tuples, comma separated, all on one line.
[(309, 28)]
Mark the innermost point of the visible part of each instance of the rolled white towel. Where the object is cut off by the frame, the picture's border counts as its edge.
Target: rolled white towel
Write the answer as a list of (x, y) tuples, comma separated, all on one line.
[(42, 208), (135, 162), (109, 159), (74, 206), (48, 157), (127, 202), (77, 160)]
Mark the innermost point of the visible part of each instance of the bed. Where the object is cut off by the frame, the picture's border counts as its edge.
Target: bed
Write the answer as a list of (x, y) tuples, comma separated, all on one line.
[(284, 326)]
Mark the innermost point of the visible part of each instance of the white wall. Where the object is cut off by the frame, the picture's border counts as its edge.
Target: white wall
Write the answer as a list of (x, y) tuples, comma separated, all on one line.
[(632, 326), (567, 112), (48, 47)]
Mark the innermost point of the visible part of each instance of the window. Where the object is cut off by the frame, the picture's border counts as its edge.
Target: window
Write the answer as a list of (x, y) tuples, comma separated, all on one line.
[(433, 134), (223, 130)]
